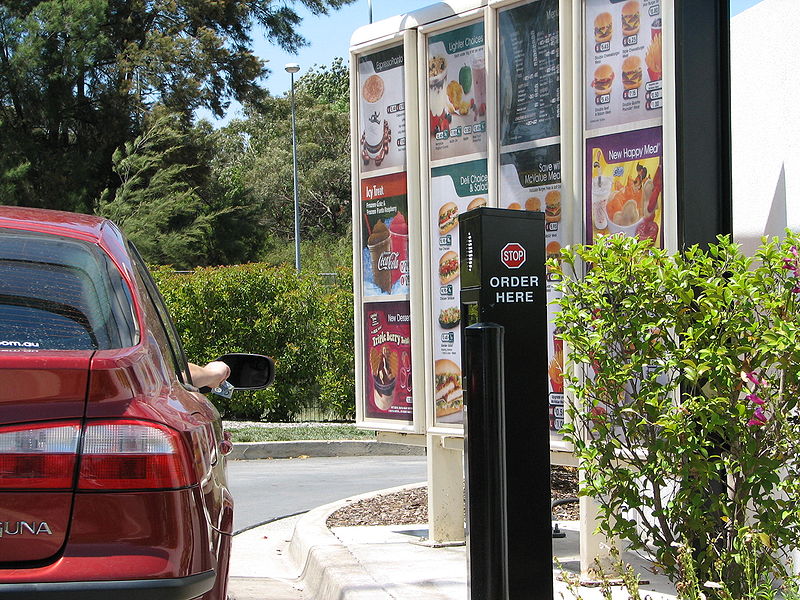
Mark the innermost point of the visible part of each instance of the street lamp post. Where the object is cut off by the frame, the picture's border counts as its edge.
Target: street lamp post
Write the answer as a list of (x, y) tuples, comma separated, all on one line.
[(293, 68)]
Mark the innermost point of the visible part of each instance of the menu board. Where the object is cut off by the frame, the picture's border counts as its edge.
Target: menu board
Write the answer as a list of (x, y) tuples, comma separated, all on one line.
[(387, 349), (456, 89), (454, 189), (624, 185), (382, 116), (529, 78), (457, 92), (531, 180), (383, 231), (623, 130), (623, 62), (384, 248), (530, 160)]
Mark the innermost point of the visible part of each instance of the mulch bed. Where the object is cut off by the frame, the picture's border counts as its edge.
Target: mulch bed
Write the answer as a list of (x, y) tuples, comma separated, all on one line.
[(409, 507)]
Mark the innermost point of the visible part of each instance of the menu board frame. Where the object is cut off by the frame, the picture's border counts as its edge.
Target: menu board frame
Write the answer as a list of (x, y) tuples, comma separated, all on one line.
[(392, 300), (443, 341), (572, 138)]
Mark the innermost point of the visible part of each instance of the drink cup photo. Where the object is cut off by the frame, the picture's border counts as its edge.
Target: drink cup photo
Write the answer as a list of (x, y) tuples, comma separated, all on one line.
[(379, 245), (479, 83), (372, 91), (601, 191), (373, 132), (381, 271), (398, 233)]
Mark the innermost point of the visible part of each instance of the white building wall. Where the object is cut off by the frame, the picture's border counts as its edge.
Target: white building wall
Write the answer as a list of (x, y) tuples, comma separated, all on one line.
[(765, 105)]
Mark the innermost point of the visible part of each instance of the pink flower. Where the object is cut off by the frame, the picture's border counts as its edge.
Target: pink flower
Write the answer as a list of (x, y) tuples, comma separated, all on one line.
[(751, 377), (755, 399), (793, 264), (759, 418)]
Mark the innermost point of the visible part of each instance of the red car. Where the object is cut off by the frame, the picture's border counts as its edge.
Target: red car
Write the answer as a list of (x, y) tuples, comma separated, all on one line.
[(112, 468)]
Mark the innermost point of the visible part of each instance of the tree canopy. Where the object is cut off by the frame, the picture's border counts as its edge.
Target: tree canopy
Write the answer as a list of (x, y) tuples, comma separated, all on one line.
[(190, 195), (258, 150), (78, 78)]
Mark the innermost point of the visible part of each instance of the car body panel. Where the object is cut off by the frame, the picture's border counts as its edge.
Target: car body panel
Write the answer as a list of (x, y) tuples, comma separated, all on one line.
[(23, 537), (36, 386)]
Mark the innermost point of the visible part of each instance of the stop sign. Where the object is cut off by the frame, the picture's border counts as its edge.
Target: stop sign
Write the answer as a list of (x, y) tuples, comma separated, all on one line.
[(513, 255)]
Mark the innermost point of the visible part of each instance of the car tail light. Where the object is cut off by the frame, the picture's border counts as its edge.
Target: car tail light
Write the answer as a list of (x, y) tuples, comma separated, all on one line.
[(40, 457), (124, 455)]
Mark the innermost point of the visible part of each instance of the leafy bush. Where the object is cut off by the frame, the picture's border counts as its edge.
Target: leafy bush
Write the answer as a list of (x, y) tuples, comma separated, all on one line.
[(303, 324), (685, 383)]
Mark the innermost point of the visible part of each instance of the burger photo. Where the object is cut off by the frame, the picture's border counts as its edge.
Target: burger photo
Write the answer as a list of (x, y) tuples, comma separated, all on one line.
[(448, 267), (533, 203), (552, 206), (603, 28), (603, 79), (448, 217), (630, 18), (514, 206), (632, 72), (553, 249), (477, 203), (448, 395)]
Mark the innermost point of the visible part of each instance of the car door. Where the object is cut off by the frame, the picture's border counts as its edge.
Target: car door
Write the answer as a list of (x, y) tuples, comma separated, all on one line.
[(218, 502)]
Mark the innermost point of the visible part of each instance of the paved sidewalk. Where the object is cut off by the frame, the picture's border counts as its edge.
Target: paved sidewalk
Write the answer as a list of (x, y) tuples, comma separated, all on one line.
[(260, 566), (299, 558)]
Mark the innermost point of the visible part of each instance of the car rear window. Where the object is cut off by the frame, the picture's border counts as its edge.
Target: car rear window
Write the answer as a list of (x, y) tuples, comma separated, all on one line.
[(58, 293)]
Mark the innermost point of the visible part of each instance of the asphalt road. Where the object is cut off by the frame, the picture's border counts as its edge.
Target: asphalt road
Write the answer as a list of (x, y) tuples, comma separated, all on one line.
[(264, 490)]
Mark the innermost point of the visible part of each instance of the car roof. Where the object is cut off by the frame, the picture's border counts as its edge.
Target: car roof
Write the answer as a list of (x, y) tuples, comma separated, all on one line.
[(86, 227)]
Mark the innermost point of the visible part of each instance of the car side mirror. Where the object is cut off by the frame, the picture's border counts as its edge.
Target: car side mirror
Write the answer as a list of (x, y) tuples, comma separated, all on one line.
[(249, 371)]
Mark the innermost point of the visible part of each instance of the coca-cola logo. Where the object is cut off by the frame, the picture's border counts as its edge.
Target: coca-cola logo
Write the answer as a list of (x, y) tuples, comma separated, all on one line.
[(389, 261)]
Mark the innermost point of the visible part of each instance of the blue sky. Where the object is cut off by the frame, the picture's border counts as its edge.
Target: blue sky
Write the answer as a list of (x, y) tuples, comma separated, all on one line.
[(329, 37)]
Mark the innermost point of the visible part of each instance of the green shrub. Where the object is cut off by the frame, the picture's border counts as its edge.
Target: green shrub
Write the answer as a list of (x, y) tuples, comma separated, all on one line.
[(303, 324), (685, 383)]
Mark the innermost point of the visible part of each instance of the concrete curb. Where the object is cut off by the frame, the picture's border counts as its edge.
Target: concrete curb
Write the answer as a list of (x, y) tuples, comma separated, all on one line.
[(327, 568), (259, 450)]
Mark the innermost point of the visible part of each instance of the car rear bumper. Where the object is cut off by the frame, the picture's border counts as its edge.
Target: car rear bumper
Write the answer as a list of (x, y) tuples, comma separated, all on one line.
[(181, 588)]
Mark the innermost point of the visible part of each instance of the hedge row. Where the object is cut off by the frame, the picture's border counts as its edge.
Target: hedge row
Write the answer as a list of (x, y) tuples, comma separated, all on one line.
[(303, 323)]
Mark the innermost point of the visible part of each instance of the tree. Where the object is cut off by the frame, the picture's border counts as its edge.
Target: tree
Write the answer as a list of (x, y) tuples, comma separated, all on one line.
[(78, 78), (153, 168), (259, 151), (172, 204), (328, 85)]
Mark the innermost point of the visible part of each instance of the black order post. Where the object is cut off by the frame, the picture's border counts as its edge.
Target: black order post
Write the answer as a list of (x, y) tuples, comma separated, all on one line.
[(503, 282), (483, 462)]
